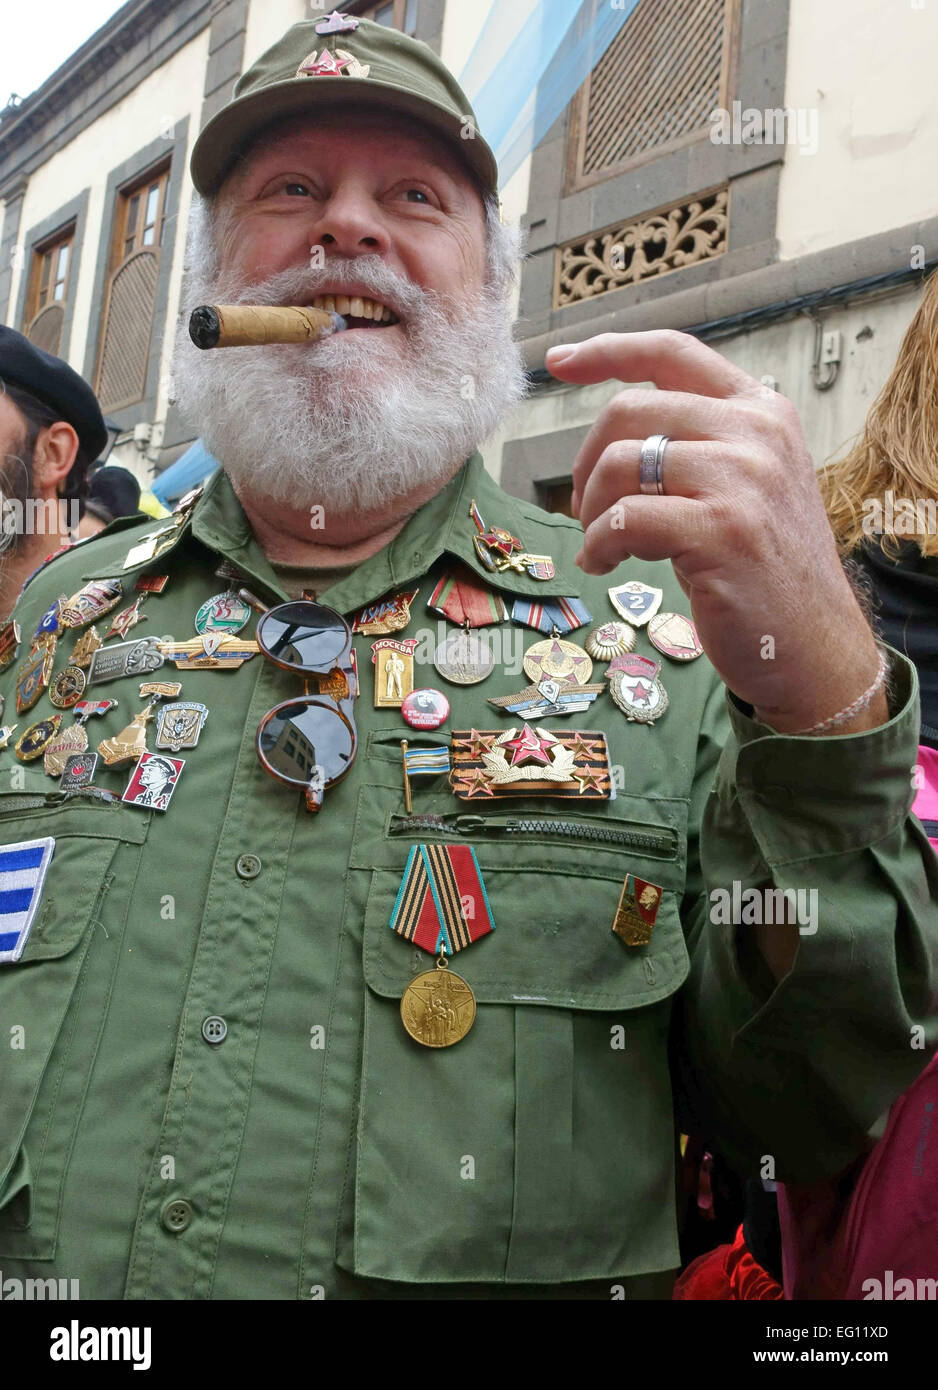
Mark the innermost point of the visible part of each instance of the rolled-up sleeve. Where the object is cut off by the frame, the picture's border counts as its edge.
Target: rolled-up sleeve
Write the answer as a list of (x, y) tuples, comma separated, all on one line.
[(800, 1070)]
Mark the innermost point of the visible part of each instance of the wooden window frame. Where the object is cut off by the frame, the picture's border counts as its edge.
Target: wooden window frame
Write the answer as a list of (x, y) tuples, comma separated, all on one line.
[(117, 256), (575, 181), (50, 244)]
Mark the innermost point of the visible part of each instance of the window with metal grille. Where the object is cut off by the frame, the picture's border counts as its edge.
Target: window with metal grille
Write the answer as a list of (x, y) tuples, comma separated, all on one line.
[(131, 291), (654, 88), (48, 290)]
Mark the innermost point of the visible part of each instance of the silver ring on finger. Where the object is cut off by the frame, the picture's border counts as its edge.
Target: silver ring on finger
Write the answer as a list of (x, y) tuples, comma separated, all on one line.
[(651, 465)]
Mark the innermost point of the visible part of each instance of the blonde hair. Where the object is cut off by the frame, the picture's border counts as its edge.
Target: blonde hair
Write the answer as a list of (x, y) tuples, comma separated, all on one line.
[(897, 448)]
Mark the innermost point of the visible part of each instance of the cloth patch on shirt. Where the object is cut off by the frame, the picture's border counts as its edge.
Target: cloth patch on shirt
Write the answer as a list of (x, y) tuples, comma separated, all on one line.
[(23, 868), (442, 904)]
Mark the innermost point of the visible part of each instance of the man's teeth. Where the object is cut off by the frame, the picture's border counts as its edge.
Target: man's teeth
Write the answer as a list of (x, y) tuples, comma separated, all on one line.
[(355, 307)]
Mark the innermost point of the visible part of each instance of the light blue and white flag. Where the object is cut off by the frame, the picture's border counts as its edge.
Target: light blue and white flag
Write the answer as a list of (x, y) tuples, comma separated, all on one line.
[(23, 869)]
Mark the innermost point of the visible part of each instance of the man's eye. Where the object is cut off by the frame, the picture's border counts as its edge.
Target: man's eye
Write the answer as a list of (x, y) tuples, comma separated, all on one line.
[(296, 190), (414, 195)]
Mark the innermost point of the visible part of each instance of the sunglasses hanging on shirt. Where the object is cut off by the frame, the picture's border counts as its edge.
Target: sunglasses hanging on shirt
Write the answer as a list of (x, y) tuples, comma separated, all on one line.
[(311, 740)]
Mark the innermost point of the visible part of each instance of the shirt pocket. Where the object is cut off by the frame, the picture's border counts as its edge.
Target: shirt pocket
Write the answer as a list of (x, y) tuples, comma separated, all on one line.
[(540, 1148), (52, 1005)]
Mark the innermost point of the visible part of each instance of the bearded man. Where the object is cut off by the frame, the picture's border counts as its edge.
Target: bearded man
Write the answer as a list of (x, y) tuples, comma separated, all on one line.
[(262, 1077), (51, 430)]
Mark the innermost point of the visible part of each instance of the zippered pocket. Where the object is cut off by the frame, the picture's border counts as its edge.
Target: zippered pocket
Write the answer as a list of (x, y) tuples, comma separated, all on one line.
[(658, 841)]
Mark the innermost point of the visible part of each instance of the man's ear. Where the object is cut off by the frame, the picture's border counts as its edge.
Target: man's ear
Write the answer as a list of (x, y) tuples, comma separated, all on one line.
[(54, 455)]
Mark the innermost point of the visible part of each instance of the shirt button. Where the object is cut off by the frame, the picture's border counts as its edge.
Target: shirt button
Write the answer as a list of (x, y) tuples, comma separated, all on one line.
[(214, 1030), (176, 1215), (248, 866)]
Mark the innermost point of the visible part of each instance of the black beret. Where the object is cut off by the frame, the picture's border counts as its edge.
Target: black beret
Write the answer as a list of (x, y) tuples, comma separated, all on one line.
[(55, 384), (112, 492)]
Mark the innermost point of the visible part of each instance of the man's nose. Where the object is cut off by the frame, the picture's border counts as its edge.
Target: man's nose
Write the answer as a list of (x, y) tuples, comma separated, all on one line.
[(351, 225)]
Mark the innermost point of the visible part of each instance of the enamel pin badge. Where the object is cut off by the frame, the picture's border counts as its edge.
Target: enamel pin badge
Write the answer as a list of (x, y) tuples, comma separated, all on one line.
[(393, 660), (636, 689), (388, 615), (9, 644), (179, 725), (549, 698), (33, 676), (72, 740), (675, 636), (134, 658), (638, 907), (637, 602), (67, 688), (91, 602), (498, 550), (530, 762), (153, 781), (337, 23)]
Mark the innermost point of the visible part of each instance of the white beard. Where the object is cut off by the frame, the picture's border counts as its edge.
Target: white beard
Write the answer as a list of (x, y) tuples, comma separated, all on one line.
[(355, 420)]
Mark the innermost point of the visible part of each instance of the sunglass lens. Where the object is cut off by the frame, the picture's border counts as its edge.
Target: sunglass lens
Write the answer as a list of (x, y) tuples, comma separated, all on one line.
[(306, 742), (306, 635)]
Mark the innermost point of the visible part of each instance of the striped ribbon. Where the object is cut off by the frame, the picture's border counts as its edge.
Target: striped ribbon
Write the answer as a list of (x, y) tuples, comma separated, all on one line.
[(442, 905), (564, 614), (460, 599)]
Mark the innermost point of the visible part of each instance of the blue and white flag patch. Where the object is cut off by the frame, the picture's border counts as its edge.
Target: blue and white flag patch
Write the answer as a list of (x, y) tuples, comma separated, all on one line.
[(23, 868)]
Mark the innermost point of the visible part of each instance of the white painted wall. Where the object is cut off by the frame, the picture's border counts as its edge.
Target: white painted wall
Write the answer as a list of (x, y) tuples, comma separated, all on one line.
[(868, 67), (269, 20)]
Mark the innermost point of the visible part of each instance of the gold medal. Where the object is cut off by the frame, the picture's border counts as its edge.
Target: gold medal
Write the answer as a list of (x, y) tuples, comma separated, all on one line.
[(612, 639), (438, 1008), (34, 742), (67, 688), (85, 648), (557, 660), (70, 741), (34, 675), (127, 746)]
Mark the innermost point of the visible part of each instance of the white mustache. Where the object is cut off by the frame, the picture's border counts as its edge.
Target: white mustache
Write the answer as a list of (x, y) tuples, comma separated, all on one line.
[(370, 274)]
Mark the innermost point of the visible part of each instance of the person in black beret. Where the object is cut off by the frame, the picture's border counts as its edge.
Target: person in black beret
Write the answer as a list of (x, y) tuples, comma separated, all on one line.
[(112, 492), (51, 431)]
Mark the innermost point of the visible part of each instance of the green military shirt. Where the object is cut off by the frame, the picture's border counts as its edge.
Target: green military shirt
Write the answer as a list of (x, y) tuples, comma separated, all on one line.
[(317, 1151)]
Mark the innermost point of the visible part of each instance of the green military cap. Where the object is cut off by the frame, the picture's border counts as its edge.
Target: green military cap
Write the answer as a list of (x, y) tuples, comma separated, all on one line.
[(376, 64)]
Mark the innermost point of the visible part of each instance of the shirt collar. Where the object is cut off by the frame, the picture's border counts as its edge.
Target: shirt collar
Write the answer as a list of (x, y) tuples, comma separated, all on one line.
[(441, 526)]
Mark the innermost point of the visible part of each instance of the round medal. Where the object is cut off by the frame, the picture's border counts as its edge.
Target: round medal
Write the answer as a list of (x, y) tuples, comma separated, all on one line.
[(556, 659), (612, 639), (67, 688), (34, 742), (675, 635), (438, 1008), (425, 709), (465, 658), (225, 613)]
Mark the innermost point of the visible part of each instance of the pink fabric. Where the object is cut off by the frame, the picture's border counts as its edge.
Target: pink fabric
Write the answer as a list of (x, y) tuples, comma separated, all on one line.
[(925, 805), (886, 1228)]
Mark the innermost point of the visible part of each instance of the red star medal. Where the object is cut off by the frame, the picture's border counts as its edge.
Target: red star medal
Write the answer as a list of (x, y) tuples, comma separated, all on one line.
[(531, 746), (326, 65)]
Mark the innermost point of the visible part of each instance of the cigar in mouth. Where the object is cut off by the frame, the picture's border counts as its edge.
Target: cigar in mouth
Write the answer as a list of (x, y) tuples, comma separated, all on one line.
[(253, 325)]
